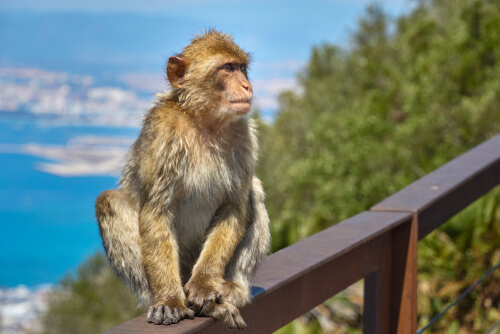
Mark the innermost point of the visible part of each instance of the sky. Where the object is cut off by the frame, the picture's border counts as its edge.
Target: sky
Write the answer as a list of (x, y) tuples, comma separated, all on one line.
[(154, 6), (131, 40)]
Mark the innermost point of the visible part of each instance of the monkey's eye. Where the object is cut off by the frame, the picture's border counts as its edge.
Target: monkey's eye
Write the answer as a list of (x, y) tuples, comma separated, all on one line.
[(228, 67), (243, 68)]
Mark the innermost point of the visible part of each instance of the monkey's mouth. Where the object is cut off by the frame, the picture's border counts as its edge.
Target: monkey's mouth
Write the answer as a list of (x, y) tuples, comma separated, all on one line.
[(239, 106), (241, 101)]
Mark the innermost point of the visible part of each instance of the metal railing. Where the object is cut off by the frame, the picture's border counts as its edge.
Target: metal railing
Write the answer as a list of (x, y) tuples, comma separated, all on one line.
[(379, 245)]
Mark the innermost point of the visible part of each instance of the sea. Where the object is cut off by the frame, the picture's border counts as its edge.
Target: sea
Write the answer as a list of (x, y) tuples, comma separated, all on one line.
[(47, 221)]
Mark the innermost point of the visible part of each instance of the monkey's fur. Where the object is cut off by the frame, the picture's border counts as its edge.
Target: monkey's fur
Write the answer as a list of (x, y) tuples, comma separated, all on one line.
[(188, 227)]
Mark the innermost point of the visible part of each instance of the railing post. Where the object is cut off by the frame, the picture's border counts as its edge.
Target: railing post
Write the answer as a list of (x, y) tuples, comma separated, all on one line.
[(377, 292), (391, 292)]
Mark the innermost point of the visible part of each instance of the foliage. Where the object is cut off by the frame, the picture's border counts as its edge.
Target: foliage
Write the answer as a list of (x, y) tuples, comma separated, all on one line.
[(91, 301), (452, 258), (407, 96), (370, 120)]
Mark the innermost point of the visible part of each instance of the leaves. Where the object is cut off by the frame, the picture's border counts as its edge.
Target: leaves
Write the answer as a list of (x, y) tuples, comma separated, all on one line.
[(91, 301), (407, 96)]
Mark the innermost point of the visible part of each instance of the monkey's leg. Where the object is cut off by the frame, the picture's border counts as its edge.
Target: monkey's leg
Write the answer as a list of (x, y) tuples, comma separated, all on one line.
[(118, 222), (161, 262), (250, 252)]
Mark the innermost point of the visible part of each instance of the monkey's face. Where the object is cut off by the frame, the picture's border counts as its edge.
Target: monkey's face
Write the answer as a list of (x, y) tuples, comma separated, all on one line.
[(234, 89)]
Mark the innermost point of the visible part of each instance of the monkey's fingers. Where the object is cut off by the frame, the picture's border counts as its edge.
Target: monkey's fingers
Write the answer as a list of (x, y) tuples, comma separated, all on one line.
[(151, 311), (202, 303), (174, 315), (187, 313), (155, 314), (167, 315), (200, 298)]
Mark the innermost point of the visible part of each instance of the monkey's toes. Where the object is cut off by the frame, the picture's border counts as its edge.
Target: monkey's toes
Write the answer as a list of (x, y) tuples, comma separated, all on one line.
[(164, 314), (236, 322), (232, 317)]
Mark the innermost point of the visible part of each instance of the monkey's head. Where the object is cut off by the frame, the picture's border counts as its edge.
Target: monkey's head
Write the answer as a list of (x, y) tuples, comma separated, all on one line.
[(210, 76)]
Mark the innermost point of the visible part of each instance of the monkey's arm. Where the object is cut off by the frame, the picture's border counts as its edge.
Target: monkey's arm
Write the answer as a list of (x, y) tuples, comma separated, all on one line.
[(157, 184), (159, 247), (228, 228)]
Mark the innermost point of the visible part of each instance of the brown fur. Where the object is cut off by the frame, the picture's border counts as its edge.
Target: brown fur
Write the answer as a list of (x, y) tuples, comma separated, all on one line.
[(187, 227)]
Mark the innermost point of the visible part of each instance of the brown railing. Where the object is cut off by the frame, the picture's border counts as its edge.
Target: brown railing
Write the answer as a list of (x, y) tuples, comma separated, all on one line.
[(379, 245)]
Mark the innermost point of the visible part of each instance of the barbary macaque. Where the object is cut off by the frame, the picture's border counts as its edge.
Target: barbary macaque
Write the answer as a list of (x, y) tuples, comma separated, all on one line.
[(187, 227)]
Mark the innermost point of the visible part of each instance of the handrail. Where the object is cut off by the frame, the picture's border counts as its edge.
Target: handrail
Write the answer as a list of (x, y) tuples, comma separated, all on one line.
[(379, 245)]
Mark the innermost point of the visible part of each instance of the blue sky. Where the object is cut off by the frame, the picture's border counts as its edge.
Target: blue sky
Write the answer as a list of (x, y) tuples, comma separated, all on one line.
[(140, 35)]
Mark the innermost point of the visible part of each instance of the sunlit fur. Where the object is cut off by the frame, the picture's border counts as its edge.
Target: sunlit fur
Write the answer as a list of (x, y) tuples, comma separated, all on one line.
[(188, 225)]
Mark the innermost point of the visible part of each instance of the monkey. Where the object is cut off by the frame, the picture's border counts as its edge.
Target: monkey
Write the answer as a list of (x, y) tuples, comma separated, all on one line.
[(187, 227)]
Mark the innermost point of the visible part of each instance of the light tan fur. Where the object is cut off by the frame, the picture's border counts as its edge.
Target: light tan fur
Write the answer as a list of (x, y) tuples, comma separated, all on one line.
[(187, 227)]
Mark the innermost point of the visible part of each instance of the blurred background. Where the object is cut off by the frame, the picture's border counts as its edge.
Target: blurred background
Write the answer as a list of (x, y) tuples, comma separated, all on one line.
[(355, 100)]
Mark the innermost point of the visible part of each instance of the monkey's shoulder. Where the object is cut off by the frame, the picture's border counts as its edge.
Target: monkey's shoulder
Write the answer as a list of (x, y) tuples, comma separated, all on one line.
[(160, 127), (162, 118)]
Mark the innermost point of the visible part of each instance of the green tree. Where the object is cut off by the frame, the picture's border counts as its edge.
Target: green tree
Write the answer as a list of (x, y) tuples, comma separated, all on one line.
[(407, 96), (91, 301), (372, 119)]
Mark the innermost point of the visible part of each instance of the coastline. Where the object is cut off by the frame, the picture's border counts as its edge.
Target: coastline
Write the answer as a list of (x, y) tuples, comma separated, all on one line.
[(20, 308)]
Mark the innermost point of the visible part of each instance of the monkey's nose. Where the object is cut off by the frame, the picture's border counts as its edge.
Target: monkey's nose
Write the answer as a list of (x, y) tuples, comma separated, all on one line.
[(247, 86)]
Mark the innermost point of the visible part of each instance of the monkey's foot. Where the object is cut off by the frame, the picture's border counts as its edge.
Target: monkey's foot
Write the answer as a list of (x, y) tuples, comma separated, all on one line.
[(228, 313), (161, 313), (202, 294), (234, 294)]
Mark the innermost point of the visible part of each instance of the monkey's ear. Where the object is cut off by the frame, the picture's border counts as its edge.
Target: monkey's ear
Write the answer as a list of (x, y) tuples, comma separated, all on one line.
[(176, 68)]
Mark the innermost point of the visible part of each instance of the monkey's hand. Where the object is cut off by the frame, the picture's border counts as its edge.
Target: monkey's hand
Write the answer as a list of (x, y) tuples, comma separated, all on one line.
[(202, 293), (169, 313), (205, 297)]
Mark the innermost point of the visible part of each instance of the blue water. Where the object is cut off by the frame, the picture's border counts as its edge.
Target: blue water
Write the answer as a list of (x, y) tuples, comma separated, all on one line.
[(47, 222)]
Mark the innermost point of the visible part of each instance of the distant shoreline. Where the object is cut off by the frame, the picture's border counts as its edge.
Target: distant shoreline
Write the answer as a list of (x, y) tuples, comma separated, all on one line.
[(100, 156)]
